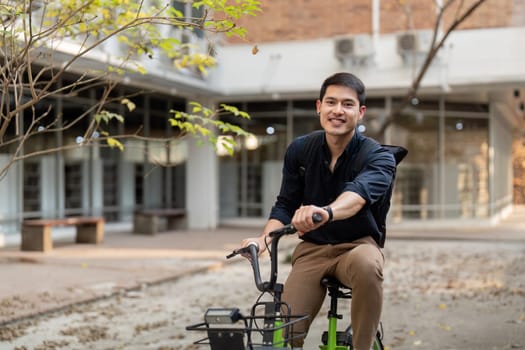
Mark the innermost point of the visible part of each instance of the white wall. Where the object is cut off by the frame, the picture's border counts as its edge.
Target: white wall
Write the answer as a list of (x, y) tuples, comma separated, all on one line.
[(470, 57)]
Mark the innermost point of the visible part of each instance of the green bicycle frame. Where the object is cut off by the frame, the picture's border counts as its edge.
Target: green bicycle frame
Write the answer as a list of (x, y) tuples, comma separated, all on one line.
[(332, 336), (278, 336)]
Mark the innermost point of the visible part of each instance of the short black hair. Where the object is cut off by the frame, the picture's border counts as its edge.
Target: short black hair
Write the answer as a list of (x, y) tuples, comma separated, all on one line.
[(348, 80)]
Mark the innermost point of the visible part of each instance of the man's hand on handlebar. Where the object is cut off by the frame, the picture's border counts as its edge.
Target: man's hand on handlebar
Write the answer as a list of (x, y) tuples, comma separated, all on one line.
[(306, 218), (264, 240), (245, 245), (303, 219)]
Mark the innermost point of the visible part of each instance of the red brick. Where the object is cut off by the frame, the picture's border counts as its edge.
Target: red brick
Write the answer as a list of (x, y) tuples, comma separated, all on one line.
[(283, 20)]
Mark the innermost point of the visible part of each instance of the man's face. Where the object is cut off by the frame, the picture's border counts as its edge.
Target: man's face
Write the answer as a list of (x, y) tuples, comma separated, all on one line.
[(339, 111)]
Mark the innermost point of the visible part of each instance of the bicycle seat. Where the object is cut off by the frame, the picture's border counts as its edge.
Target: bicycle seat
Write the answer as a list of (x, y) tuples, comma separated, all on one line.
[(332, 282)]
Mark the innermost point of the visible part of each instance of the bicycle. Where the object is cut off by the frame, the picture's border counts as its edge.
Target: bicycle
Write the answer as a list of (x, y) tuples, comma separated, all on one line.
[(221, 324)]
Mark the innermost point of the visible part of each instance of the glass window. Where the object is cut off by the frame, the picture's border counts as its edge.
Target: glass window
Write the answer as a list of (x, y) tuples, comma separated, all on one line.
[(139, 185), (256, 163), (466, 167), (417, 181), (445, 174), (442, 177), (32, 186), (110, 189), (178, 188), (191, 13), (73, 188)]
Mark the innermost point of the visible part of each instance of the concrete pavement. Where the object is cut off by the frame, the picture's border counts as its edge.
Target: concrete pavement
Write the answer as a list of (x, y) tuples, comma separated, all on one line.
[(34, 283)]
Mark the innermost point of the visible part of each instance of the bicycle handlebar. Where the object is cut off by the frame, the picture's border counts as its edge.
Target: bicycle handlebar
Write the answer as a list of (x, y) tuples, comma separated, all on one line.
[(253, 249)]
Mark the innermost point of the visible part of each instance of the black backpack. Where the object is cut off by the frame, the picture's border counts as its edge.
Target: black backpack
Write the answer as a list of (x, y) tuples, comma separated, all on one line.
[(380, 208)]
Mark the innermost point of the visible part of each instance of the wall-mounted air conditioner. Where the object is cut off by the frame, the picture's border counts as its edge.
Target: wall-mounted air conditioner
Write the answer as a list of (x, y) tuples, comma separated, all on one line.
[(353, 48), (413, 46), (414, 42)]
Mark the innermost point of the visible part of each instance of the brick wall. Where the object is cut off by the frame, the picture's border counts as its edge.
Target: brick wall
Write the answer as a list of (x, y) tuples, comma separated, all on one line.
[(307, 19), (518, 13), (283, 20)]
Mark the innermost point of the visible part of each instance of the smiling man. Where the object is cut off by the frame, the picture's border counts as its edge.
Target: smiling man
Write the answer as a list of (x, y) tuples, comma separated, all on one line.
[(321, 175)]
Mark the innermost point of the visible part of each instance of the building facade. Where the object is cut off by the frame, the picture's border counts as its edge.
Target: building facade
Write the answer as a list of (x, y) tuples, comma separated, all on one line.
[(459, 128)]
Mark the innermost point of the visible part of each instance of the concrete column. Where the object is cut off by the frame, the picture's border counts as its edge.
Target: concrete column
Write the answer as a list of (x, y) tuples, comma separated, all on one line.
[(96, 203), (153, 186), (48, 186), (10, 187), (126, 191), (202, 191)]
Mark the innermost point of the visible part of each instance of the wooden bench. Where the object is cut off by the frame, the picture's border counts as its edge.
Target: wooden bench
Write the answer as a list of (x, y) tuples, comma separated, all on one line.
[(152, 221), (36, 234)]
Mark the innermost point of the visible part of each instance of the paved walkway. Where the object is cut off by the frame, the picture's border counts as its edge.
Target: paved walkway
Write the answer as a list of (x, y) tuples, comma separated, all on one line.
[(34, 283)]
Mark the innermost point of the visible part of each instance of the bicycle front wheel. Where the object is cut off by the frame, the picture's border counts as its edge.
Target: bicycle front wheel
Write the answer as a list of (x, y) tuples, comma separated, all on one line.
[(377, 345)]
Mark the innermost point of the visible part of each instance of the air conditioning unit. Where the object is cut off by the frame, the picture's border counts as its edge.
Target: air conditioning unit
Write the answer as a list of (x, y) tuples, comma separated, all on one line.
[(353, 47), (414, 42)]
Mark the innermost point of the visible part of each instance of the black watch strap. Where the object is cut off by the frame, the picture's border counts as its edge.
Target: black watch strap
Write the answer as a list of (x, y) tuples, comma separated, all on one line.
[(330, 213)]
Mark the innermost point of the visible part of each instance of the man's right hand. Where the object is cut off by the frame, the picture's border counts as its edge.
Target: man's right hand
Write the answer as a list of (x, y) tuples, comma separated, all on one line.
[(303, 219)]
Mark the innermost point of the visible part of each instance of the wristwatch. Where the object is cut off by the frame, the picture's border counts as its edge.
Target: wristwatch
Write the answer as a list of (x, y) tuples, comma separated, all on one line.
[(330, 213)]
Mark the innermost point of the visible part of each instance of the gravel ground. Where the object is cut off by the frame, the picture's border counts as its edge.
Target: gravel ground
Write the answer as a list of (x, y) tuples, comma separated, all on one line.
[(438, 295)]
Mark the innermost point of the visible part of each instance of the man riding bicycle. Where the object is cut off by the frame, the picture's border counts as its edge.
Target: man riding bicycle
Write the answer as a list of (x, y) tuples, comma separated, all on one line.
[(347, 243)]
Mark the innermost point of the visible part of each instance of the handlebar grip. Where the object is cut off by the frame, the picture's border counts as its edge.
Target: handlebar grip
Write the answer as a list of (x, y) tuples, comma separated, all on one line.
[(289, 229), (252, 248)]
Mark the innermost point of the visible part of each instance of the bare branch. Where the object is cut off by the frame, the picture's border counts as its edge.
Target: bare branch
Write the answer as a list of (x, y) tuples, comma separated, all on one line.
[(429, 58)]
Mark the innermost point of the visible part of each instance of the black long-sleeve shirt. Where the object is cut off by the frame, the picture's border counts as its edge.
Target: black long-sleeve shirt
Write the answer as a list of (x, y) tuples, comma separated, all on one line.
[(317, 185)]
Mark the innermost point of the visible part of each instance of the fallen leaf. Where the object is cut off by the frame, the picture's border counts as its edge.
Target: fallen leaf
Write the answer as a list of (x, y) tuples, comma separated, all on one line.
[(445, 327)]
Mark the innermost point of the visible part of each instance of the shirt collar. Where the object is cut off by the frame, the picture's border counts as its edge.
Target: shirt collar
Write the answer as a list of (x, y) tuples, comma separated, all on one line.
[(354, 142)]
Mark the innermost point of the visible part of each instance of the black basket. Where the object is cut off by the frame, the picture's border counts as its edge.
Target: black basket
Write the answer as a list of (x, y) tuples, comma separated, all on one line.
[(254, 332)]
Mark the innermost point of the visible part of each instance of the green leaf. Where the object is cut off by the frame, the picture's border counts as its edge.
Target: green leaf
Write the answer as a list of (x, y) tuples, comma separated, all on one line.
[(112, 142), (107, 116), (235, 111), (131, 106)]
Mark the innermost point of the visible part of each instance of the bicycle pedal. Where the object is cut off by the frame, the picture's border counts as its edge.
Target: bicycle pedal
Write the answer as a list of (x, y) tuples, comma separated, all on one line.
[(342, 338)]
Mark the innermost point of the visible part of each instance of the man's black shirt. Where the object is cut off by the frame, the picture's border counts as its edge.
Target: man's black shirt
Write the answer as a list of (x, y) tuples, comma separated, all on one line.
[(317, 185)]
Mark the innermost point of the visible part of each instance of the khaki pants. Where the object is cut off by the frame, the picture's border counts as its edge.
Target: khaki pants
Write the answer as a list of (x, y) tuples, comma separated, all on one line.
[(358, 265)]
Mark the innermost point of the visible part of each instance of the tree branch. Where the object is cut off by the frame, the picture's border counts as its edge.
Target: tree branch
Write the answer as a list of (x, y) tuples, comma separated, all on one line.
[(429, 58)]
